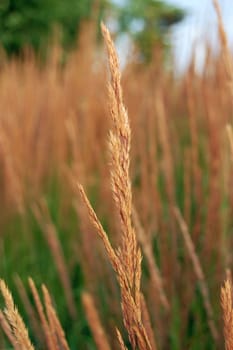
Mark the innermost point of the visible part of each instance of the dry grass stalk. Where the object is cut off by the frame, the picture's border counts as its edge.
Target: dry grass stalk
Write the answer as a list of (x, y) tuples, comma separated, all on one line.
[(54, 323), (196, 171), (42, 215), (126, 260), (187, 187), (100, 230), (147, 250), (163, 129), (13, 185), (48, 308), (7, 330), (120, 340), (212, 239), (94, 322), (13, 322), (227, 307), (167, 166), (147, 322), (78, 162), (119, 149), (198, 271), (49, 337), (225, 47), (153, 164), (230, 137), (28, 307), (88, 234)]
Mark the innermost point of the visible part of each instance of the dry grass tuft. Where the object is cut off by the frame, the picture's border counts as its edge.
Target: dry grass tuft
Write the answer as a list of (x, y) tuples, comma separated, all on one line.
[(29, 308), (178, 158), (49, 336), (14, 327), (54, 334), (12, 323), (54, 323), (227, 307)]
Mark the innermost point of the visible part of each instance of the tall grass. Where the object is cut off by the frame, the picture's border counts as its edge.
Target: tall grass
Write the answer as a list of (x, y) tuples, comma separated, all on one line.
[(167, 193)]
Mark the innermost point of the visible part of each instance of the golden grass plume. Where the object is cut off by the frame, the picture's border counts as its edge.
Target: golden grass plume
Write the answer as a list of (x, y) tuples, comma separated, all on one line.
[(227, 308), (126, 260), (12, 323)]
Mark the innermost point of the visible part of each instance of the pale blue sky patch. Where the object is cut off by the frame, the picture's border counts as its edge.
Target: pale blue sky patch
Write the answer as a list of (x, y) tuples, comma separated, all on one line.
[(199, 27)]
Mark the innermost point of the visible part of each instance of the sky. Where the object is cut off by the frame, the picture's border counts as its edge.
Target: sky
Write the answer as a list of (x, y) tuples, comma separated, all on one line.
[(199, 26)]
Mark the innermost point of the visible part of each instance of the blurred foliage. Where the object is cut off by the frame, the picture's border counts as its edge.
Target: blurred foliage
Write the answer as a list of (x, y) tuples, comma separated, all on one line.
[(148, 21), (31, 22)]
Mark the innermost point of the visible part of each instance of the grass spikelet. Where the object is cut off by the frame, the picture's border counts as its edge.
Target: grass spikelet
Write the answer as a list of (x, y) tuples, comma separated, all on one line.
[(147, 250), (13, 321), (54, 323), (49, 337), (119, 148), (28, 307), (198, 272), (227, 307), (126, 260), (94, 322), (147, 322), (7, 330), (100, 230), (120, 340)]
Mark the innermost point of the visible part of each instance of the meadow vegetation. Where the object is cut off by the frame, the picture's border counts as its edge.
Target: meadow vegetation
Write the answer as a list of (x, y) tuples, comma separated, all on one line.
[(92, 179)]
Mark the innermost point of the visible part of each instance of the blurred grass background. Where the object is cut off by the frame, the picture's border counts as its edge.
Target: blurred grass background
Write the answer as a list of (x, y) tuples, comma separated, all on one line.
[(54, 126)]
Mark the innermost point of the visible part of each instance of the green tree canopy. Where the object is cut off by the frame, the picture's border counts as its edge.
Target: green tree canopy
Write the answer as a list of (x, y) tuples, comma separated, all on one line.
[(31, 22)]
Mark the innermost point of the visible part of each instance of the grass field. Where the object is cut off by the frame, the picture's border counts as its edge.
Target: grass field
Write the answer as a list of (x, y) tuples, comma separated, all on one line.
[(159, 177)]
